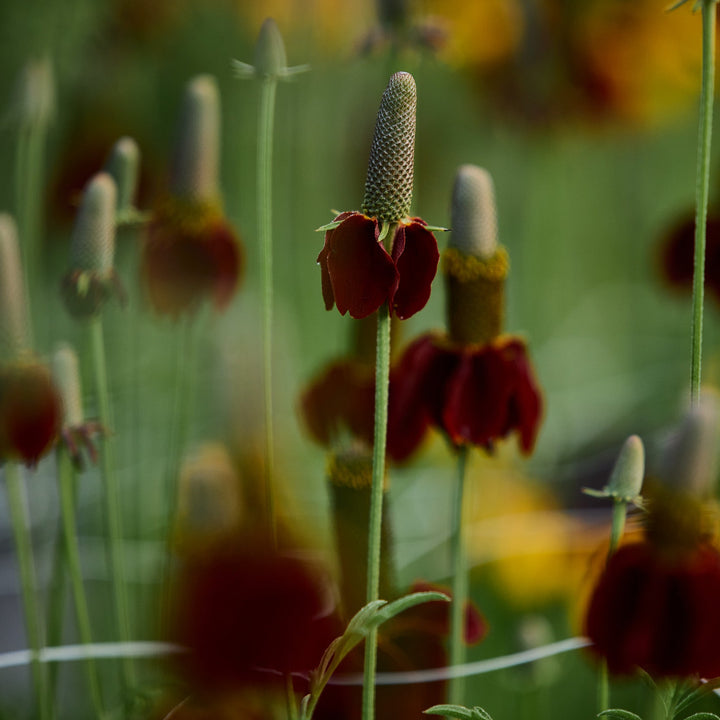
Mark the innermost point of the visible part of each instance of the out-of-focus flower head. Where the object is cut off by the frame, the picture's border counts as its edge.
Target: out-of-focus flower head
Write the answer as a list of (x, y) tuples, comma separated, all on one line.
[(30, 407), (250, 615), (654, 605), (77, 433), (91, 279), (358, 273), (191, 254), (473, 383)]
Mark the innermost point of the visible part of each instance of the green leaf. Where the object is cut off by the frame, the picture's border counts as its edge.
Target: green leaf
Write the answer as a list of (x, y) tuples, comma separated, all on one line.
[(459, 712), (703, 716), (404, 603), (330, 226), (620, 714)]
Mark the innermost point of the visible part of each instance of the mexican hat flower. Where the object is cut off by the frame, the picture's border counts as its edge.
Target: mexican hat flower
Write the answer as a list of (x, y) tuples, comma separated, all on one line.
[(474, 383), (30, 406), (381, 254), (655, 605), (191, 253)]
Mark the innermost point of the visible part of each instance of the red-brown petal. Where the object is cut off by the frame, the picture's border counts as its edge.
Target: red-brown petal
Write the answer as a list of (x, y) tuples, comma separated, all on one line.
[(224, 249), (361, 273), (30, 413), (416, 256)]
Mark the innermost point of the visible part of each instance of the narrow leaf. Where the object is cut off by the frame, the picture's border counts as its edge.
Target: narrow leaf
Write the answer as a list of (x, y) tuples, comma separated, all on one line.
[(703, 716), (619, 714), (452, 711), (404, 603)]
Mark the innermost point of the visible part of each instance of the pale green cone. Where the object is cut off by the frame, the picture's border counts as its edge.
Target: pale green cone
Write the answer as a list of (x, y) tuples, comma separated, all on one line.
[(66, 375), (93, 239), (196, 156), (627, 475), (389, 181), (270, 59), (14, 337), (35, 95), (473, 213), (123, 165)]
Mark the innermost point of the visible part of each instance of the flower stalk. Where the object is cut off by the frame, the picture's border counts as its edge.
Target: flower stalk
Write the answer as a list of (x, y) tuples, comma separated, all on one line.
[(702, 184)]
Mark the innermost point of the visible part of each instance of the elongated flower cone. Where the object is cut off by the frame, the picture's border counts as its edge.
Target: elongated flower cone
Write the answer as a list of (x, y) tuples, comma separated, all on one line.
[(13, 312), (389, 181), (123, 165)]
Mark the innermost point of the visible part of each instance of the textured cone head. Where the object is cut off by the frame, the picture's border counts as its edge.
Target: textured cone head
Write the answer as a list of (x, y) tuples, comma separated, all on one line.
[(270, 58), (93, 240), (195, 160), (627, 475), (13, 311), (473, 213), (389, 182), (67, 380), (690, 460), (124, 168)]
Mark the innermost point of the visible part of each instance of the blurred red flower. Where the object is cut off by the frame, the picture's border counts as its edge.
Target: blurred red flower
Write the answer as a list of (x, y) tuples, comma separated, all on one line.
[(475, 393), (359, 275)]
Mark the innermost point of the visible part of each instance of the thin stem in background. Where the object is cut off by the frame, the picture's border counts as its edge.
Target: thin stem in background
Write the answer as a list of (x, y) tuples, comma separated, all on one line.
[(702, 184), (55, 610), (68, 483), (382, 388), (459, 582), (619, 514), (268, 87), (111, 496), (17, 503)]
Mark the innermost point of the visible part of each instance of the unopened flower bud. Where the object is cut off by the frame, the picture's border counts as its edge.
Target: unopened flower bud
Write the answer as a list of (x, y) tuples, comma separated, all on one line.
[(270, 58), (67, 380), (474, 264), (195, 160), (389, 181), (690, 460), (93, 240), (13, 311), (627, 475), (124, 168)]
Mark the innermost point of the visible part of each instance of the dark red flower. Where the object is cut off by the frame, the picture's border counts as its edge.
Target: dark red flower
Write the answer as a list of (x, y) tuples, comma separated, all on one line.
[(658, 611), (476, 394), (359, 275), (341, 399), (191, 254), (677, 255), (249, 615), (30, 412)]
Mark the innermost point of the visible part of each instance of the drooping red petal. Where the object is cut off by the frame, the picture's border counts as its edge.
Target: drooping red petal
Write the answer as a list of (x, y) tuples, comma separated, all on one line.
[(30, 413), (340, 398), (224, 248), (525, 404), (358, 273), (417, 387), (416, 256), (477, 399)]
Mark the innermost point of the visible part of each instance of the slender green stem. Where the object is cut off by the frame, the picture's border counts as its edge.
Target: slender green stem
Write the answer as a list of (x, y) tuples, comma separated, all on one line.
[(382, 387), (113, 515), (68, 482), (17, 503), (702, 184), (268, 87), (292, 708), (619, 514), (459, 581), (55, 611)]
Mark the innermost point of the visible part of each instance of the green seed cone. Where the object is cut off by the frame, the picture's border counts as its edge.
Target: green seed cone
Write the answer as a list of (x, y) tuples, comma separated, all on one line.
[(124, 168), (67, 380), (627, 475), (389, 182), (13, 310), (473, 213), (36, 93), (93, 239), (195, 160)]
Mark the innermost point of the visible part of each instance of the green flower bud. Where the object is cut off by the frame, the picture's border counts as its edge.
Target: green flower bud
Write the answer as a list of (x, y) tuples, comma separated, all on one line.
[(389, 182), (123, 165), (627, 475), (270, 58), (67, 380)]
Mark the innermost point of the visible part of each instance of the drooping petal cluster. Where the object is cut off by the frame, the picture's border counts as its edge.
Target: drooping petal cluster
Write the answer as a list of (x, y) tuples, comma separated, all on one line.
[(475, 394), (30, 412), (359, 275), (191, 254)]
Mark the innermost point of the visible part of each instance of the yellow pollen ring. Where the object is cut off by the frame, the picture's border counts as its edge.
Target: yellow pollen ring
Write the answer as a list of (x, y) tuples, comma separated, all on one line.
[(349, 470), (188, 216)]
